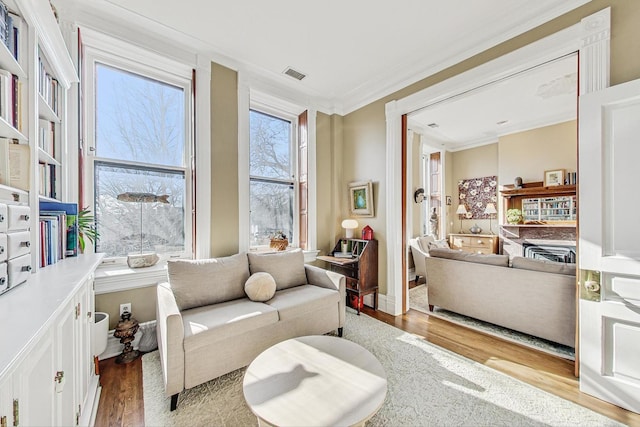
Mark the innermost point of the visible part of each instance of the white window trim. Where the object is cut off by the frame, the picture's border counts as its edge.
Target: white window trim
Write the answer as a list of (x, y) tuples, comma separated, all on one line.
[(101, 46), (293, 155), (247, 98)]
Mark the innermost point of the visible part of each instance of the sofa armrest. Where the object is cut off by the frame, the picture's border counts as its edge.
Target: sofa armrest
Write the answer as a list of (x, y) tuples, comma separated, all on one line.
[(331, 280), (170, 332), (419, 260)]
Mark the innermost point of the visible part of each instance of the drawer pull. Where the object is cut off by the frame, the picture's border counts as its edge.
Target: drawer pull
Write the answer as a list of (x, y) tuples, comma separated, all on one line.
[(26, 244), (480, 242), (1, 218), (1, 249), (3, 280), (26, 268), (25, 217)]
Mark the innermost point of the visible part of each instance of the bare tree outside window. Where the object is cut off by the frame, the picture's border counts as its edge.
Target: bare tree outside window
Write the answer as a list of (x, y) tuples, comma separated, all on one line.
[(140, 148), (272, 177)]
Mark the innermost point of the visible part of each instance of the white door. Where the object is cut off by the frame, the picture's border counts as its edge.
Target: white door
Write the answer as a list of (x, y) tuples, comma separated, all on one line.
[(609, 200)]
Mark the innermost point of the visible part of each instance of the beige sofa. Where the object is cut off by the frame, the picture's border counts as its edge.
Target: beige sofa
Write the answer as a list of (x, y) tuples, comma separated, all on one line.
[(531, 296), (207, 325)]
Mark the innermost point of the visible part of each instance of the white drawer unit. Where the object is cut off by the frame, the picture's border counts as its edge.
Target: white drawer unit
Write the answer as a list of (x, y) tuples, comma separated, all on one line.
[(19, 270), (4, 220), (18, 217), (4, 280), (18, 244), (3, 247)]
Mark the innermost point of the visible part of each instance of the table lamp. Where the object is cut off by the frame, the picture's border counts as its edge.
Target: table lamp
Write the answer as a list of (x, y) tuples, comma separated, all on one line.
[(461, 211), (490, 209), (349, 225)]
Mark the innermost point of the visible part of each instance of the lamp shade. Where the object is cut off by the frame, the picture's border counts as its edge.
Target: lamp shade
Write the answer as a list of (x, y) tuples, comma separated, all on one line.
[(349, 225), (462, 210), (490, 209)]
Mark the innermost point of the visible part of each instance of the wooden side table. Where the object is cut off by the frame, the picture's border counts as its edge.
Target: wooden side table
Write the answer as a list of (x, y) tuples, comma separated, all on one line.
[(474, 243), (360, 268)]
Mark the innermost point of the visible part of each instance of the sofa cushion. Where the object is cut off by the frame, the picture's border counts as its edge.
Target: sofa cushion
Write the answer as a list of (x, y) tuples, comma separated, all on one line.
[(196, 283), (490, 259), (546, 266), (260, 287), (424, 242), (204, 325), (442, 244), (302, 300), (287, 267)]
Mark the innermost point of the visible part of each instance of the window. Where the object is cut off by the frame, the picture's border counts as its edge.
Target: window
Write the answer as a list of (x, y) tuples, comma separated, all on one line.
[(140, 163), (272, 177)]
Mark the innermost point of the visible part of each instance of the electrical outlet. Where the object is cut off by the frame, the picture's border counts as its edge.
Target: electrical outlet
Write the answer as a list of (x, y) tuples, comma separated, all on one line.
[(125, 307)]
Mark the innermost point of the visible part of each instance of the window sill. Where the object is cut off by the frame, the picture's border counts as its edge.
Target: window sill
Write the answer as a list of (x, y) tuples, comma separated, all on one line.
[(309, 255), (119, 277)]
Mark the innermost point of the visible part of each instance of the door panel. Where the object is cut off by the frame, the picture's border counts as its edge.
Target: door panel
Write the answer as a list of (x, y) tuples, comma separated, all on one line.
[(610, 244)]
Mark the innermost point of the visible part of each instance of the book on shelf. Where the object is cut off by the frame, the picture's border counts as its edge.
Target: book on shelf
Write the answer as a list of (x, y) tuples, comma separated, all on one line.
[(10, 99), (46, 136), (71, 223), (14, 164)]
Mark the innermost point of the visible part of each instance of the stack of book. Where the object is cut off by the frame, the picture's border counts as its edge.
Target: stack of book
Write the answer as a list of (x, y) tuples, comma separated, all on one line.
[(58, 231), (11, 26)]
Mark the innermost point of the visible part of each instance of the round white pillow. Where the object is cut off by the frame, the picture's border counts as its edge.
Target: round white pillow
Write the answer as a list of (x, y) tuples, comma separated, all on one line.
[(260, 287)]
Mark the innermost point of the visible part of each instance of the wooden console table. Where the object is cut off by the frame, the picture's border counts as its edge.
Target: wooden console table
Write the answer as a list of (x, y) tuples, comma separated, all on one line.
[(474, 243), (360, 268)]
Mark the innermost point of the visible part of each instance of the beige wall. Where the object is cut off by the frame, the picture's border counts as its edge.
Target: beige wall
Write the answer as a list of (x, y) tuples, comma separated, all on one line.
[(143, 304), (472, 163), (224, 161), (528, 154), (365, 128)]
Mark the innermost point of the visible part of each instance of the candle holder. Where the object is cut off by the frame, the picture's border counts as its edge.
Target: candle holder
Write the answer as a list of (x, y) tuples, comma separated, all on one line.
[(126, 331)]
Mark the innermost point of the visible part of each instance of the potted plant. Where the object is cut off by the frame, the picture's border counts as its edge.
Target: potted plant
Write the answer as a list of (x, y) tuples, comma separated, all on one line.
[(86, 228), (514, 216)]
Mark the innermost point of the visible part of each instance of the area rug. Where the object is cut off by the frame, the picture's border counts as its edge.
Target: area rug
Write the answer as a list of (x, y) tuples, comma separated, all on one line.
[(427, 386), (418, 300)]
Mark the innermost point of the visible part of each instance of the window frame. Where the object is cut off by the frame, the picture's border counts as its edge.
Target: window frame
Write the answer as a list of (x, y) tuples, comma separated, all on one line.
[(293, 156), (156, 68)]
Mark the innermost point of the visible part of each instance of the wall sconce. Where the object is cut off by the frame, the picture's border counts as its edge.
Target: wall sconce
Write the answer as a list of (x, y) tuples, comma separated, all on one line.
[(490, 210), (418, 196), (461, 211), (349, 225)]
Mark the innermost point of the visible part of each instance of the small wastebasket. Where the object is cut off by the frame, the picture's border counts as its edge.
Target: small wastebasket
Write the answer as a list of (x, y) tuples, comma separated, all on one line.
[(100, 333)]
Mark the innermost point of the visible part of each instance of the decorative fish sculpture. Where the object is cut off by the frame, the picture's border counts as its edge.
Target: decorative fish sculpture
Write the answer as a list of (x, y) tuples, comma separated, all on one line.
[(143, 198)]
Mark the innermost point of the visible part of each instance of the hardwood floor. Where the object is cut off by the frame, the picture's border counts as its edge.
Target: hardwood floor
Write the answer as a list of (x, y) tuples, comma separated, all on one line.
[(121, 401)]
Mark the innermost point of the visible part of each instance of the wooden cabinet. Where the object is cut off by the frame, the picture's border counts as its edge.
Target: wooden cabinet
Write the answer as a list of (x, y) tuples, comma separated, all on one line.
[(360, 268), (474, 243), (46, 365), (542, 205)]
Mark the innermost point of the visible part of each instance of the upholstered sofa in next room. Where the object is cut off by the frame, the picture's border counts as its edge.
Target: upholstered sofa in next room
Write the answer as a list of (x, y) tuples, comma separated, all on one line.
[(216, 315), (531, 296)]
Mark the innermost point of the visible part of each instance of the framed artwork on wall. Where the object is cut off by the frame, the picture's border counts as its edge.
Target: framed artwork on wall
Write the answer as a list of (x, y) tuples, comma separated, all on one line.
[(361, 198), (553, 177)]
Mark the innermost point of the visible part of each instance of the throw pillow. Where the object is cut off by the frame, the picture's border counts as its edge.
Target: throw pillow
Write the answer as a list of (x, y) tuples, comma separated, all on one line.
[(260, 287), (196, 283), (424, 242), (287, 267), (546, 266), (441, 244)]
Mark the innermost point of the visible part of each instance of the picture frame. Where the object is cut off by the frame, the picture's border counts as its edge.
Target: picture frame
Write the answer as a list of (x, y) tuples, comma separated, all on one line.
[(361, 198), (448, 199), (554, 177)]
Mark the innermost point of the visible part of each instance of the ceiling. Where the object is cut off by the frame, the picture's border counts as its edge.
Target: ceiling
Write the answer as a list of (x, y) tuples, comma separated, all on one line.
[(351, 52), (541, 96)]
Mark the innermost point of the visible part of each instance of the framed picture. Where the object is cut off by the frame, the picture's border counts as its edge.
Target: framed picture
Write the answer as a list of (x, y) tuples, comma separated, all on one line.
[(554, 177), (361, 198), (448, 200)]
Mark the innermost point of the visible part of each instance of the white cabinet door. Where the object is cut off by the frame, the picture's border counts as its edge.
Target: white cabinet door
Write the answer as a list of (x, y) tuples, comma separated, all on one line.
[(83, 342), (34, 385), (65, 332), (609, 244), (6, 401)]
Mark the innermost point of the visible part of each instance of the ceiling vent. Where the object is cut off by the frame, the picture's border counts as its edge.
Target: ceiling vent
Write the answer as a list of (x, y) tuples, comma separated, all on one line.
[(433, 125), (295, 74)]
